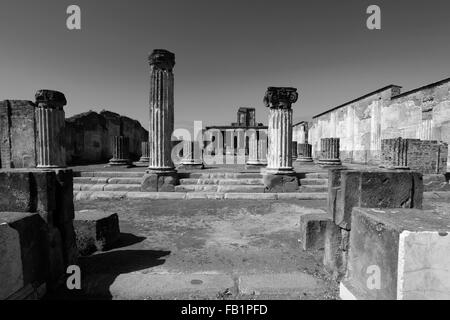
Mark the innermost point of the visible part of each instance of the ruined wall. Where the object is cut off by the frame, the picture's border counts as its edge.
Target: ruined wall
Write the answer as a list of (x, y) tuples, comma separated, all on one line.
[(17, 134), (423, 113), (357, 124), (89, 136)]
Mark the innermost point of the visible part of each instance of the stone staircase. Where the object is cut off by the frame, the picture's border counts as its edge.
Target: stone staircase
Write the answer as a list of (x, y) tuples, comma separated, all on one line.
[(194, 183)]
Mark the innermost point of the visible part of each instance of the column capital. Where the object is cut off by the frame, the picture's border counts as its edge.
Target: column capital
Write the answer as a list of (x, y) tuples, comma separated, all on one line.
[(280, 97), (162, 59), (50, 98)]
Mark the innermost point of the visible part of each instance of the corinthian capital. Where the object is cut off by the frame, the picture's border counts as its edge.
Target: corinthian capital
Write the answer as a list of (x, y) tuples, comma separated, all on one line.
[(162, 59), (280, 97)]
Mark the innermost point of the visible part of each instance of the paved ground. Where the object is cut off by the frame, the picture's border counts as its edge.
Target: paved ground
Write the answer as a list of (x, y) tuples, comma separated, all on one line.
[(227, 249)]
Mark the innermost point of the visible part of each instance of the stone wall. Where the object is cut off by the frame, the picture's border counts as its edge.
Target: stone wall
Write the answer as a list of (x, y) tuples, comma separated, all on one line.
[(423, 113), (90, 134), (17, 134), (425, 156)]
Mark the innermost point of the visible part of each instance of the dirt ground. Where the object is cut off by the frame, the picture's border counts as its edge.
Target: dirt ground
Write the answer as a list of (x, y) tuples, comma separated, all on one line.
[(236, 238), (240, 249)]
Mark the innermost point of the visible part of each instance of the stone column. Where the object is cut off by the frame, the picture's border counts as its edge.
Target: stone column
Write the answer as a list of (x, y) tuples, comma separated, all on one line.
[(329, 150), (279, 101), (50, 123), (254, 154), (192, 158), (161, 174), (262, 148), (120, 148), (279, 175), (145, 155), (294, 150), (304, 152), (394, 153)]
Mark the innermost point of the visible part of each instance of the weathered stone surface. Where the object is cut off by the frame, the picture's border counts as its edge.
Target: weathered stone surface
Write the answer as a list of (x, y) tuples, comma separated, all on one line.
[(280, 183), (334, 190), (23, 252), (407, 248), (312, 230), (335, 251), (95, 230), (165, 182), (377, 189), (16, 191)]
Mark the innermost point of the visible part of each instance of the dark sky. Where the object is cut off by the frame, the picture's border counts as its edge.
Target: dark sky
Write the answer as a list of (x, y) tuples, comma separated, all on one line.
[(227, 52)]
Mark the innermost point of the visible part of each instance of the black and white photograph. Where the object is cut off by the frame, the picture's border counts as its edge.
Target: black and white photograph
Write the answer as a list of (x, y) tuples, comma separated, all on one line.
[(221, 156)]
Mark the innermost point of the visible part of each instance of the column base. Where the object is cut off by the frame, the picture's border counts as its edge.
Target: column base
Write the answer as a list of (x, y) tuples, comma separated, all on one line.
[(191, 166), (143, 162), (280, 182), (329, 162), (160, 180), (398, 168), (304, 159), (255, 165), (50, 167), (119, 163)]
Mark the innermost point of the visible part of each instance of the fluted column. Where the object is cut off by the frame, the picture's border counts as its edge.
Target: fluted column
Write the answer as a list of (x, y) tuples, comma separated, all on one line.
[(294, 150), (262, 147), (252, 148), (50, 123), (329, 148), (145, 152), (161, 111), (192, 157), (120, 149), (279, 100), (394, 153), (304, 152)]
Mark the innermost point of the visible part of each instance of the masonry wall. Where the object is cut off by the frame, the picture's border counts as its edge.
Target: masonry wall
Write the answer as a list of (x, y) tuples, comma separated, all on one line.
[(422, 114), (89, 136), (17, 134)]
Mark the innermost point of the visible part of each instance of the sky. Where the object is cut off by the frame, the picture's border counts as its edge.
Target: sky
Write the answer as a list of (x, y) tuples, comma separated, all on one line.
[(227, 52)]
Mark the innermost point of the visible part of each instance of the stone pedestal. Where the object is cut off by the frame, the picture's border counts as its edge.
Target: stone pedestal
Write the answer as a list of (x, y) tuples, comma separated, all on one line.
[(304, 152), (50, 123), (329, 152), (191, 157), (145, 155), (161, 174), (279, 175), (120, 146)]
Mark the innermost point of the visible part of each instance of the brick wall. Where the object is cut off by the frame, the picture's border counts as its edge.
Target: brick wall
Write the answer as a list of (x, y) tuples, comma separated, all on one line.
[(425, 156)]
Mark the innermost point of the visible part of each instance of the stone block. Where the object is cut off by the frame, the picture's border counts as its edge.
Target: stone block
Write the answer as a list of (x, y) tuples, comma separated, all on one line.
[(398, 254), (95, 230), (312, 230), (17, 192), (334, 190), (377, 189), (335, 250), (164, 182), (23, 252), (280, 182)]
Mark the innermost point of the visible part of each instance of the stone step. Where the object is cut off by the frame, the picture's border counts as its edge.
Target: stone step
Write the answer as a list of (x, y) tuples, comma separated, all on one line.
[(225, 175), (219, 188), (105, 195), (106, 187), (311, 181), (317, 175), (109, 174), (313, 188), (190, 181), (102, 180)]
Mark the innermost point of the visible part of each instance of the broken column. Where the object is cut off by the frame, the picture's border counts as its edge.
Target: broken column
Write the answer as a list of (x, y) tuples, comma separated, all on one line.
[(120, 146), (294, 150), (50, 123), (304, 152), (161, 174), (394, 153), (145, 154), (280, 175), (329, 150), (253, 160), (191, 156)]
